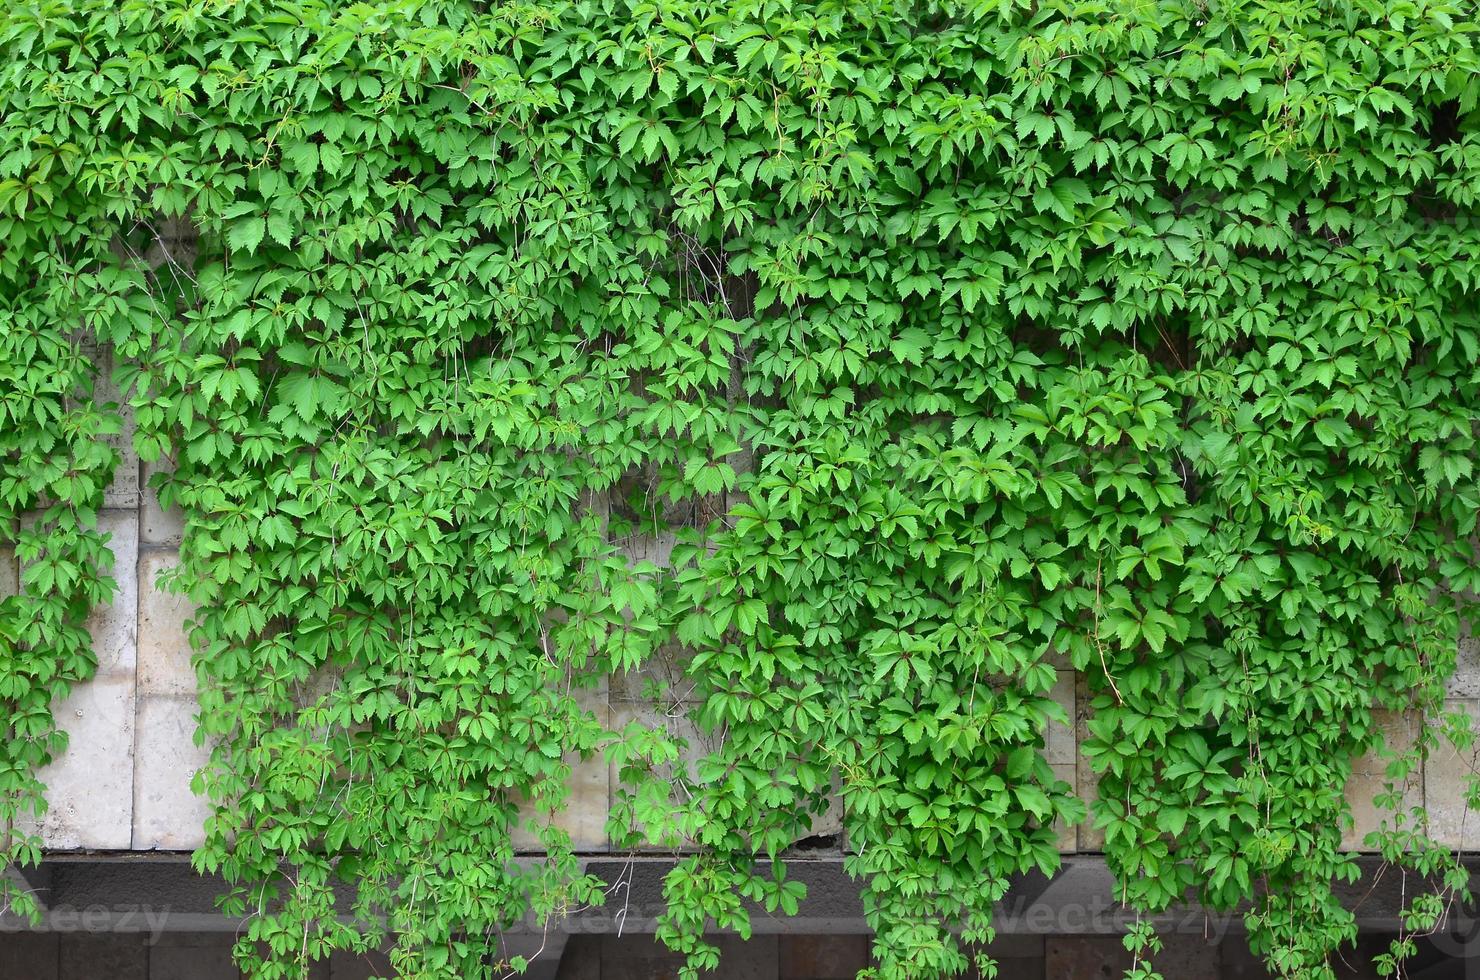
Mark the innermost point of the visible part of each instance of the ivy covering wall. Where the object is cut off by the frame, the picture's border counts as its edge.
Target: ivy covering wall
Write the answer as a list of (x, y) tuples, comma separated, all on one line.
[(944, 338)]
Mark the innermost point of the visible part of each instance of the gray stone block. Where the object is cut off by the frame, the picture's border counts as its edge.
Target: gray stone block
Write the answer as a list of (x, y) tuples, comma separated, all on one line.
[(90, 785), (174, 246), (838, 957), (584, 812), (656, 549), (1085, 958), (661, 675), (1446, 778), (644, 958), (193, 961), (114, 628), (1060, 743), (159, 527), (1465, 682), (1369, 780), (114, 956), (1068, 833), (9, 574), (673, 719), (581, 959), (124, 490), (829, 823), (167, 814), (1089, 837), (164, 646), (28, 956)]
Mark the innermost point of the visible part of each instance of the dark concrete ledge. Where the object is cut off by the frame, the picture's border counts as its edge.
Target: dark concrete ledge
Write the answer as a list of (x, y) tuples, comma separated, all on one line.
[(160, 893)]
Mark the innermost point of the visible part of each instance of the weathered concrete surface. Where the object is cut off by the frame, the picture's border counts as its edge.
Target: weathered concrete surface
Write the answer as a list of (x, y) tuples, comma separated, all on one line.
[(164, 649), (167, 815), (1061, 749), (1369, 780), (158, 527), (9, 579), (1446, 777), (1466, 680), (670, 718), (661, 675), (115, 628), (34, 956), (584, 812), (1089, 837), (116, 957), (822, 957), (90, 786), (1105, 957), (1060, 742), (191, 956), (642, 958), (1068, 834)]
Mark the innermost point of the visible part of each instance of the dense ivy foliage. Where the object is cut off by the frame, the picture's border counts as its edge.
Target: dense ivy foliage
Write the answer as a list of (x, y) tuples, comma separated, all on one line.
[(54, 466), (946, 340)]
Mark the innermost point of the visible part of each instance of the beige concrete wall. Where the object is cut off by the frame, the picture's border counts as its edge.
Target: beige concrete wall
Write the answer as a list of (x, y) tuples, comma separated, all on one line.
[(124, 782)]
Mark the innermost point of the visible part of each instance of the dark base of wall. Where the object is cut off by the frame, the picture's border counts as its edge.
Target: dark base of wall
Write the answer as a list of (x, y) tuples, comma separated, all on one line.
[(207, 956)]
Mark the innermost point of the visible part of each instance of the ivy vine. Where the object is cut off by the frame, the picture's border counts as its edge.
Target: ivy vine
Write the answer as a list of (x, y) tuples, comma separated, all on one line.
[(945, 341)]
